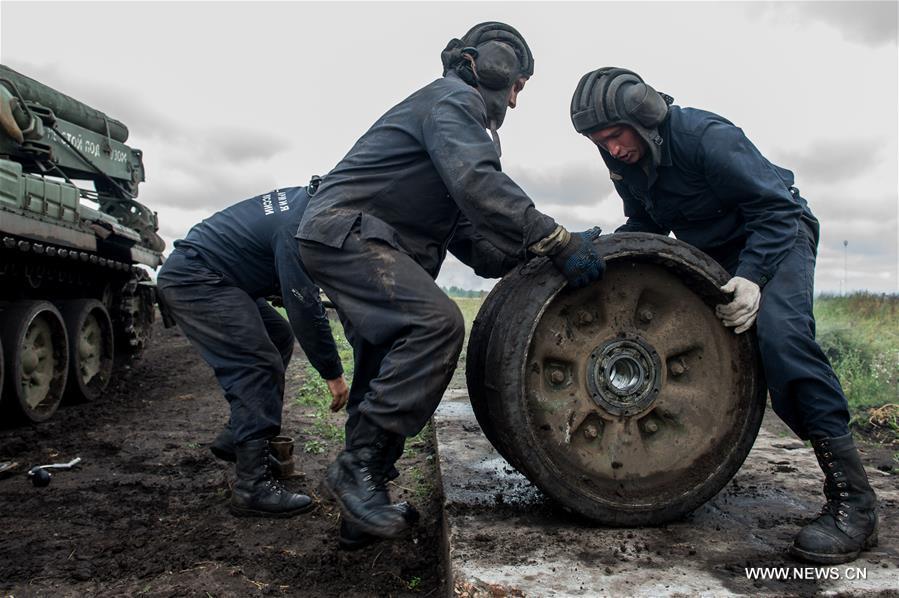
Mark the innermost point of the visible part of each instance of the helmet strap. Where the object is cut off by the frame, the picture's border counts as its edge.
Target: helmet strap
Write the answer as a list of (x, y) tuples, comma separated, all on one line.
[(468, 69), (495, 135)]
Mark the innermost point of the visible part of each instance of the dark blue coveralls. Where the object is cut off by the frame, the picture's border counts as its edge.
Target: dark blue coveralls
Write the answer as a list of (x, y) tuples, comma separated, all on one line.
[(425, 179), (215, 283), (717, 192)]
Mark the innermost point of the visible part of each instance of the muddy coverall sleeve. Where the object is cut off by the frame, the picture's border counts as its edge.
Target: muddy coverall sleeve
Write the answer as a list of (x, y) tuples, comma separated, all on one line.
[(305, 310), (740, 176), (455, 137), (478, 253), (638, 219)]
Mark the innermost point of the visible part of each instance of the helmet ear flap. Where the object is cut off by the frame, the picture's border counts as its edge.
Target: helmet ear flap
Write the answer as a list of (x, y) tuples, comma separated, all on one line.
[(497, 65), (645, 105)]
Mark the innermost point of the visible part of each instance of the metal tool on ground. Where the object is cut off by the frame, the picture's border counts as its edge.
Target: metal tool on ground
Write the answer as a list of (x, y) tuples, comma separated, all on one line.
[(282, 456), (40, 476)]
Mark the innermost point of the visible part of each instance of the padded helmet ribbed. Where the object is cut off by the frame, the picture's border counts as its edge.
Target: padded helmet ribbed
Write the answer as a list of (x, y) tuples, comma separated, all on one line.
[(611, 96), (496, 31), (500, 56)]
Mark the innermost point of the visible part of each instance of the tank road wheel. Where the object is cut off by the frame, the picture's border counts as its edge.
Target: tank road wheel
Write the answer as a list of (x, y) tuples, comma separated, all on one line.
[(91, 350), (628, 401), (34, 339)]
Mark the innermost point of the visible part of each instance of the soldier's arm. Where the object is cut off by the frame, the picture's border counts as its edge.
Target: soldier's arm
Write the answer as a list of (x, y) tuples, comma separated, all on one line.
[(456, 139), (741, 176), (478, 253), (305, 310)]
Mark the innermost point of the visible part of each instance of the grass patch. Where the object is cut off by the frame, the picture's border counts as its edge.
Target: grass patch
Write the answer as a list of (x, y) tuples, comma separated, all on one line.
[(420, 477), (327, 428), (414, 584), (469, 308), (860, 336), (314, 447)]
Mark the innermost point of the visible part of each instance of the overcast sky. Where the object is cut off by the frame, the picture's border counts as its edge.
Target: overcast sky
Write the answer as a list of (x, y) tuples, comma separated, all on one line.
[(229, 100)]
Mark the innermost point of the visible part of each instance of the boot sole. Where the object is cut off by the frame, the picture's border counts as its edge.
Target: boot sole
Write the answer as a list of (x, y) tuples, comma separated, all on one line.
[(363, 525), (245, 512), (833, 559)]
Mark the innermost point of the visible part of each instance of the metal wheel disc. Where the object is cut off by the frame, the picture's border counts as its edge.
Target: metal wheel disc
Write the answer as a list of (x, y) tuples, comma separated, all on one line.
[(645, 399), (91, 339), (36, 357)]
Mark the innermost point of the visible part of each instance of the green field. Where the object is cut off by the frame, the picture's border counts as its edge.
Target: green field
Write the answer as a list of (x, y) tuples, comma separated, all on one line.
[(860, 335)]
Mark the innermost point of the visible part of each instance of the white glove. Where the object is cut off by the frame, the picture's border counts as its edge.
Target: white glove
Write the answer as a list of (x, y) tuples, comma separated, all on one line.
[(740, 312)]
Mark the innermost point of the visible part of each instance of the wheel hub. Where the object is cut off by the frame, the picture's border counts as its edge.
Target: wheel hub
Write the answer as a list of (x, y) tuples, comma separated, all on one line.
[(624, 375)]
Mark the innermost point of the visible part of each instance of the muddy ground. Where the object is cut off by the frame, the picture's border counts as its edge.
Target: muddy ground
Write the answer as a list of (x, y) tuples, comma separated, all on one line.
[(146, 514)]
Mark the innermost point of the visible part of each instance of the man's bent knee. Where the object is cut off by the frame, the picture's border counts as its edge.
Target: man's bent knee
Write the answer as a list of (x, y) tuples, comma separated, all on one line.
[(451, 325)]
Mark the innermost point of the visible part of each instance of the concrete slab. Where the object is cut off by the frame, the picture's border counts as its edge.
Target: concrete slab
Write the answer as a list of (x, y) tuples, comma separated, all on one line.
[(505, 538)]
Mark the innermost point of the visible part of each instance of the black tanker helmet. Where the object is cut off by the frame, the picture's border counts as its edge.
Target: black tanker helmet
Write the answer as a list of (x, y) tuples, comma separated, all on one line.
[(612, 96), (490, 57)]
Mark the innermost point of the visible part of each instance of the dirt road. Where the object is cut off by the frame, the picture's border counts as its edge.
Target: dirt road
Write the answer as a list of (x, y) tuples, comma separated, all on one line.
[(147, 512)]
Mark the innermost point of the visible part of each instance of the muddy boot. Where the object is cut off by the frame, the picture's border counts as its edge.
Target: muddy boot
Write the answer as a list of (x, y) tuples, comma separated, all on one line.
[(358, 481), (848, 523), (223, 445), (352, 538), (256, 493)]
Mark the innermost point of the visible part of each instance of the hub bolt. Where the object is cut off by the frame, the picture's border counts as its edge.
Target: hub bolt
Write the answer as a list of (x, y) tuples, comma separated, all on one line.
[(584, 317), (678, 368), (557, 376), (590, 432), (646, 315), (651, 427)]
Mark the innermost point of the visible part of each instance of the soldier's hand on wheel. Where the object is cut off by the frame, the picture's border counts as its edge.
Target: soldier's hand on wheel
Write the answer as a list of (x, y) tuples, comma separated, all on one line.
[(578, 261), (740, 313), (340, 393)]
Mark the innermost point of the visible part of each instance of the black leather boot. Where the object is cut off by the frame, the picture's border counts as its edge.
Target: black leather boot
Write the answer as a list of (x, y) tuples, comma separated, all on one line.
[(256, 493), (358, 481), (353, 538), (848, 522), (223, 445)]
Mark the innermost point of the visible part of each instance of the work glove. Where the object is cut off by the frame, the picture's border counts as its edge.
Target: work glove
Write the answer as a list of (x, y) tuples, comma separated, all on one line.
[(740, 313), (578, 260)]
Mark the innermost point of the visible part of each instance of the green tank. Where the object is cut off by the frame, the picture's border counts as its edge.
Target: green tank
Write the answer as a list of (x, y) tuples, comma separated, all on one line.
[(76, 249)]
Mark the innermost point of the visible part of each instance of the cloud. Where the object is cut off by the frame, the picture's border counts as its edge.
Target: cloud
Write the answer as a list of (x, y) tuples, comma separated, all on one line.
[(238, 145), (827, 161), (870, 24), (204, 184), (574, 185), (834, 208)]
